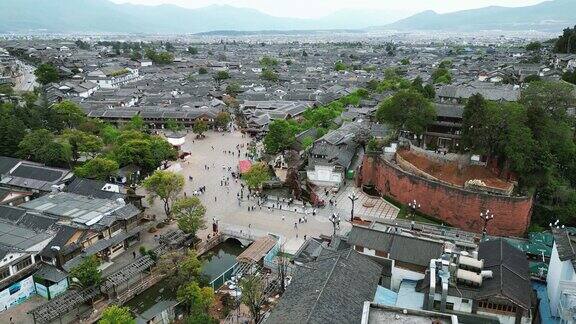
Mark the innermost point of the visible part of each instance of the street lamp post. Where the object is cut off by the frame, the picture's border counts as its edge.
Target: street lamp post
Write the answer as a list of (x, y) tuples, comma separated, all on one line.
[(353, 197), (335, 220), (486, 217), (414, 205)]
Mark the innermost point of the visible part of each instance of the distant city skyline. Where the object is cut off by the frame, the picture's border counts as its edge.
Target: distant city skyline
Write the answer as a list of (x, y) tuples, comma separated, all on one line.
[(320, 8)]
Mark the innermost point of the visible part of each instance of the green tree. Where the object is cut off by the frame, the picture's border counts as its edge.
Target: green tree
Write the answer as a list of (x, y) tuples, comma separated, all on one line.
[(566, 43), (475, 130), (202, 70), (268, 62), (340, 66), (405, 61), (233, 89), (192, 50), (69, 114), (86, 274), (173, 125), (534, 46), (570, 76), (40, 146), (442, 75), (136, 123), (46, 73), (162, 150), (446, 64), (407, 110), (147, 152), (281, 135), (135, 56), (546, 100), (12, 130), (82, 143), (307, 142), (257, 175), (164, 185), (138, 153), (189, 212), (97, 168), (6, 89), (513, 138), (196, 300), (115, 314), (109, 134), (184, 267), (221, 76), (159, 58), (169, 47), (269, 75), (222, 119), (532, 78), (200, 127), (429, 91), (252, 289)]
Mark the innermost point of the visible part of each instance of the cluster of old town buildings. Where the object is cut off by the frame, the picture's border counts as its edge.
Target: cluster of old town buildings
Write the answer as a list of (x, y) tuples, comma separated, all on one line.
[(381, 270)]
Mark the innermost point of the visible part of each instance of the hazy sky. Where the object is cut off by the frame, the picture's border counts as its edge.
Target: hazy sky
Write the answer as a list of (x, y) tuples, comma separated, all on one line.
[(318, 8)]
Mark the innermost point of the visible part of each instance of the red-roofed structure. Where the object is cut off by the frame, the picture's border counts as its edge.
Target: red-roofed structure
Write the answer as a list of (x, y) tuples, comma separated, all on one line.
[(244, 166)]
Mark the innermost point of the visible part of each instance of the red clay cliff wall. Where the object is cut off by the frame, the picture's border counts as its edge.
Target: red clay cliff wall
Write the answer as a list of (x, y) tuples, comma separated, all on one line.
[(458, 207)]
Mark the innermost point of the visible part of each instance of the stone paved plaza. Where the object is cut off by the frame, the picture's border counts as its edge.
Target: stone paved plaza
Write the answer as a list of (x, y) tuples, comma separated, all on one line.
[(221, 201), (366, 207)]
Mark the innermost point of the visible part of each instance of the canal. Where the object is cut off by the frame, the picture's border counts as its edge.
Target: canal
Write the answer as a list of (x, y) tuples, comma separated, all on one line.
[(216, 261)]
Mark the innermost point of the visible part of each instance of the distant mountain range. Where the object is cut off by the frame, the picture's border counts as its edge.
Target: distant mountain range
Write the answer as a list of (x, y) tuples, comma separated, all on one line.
[(551, 16), (105, 16)]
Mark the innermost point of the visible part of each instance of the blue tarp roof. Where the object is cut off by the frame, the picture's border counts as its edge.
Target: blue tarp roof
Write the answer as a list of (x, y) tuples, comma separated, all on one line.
[(385, 296)]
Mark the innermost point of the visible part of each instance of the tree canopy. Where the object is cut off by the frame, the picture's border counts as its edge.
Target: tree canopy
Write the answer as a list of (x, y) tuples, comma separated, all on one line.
[(87, 273), (12, 130), (534, 46), (442, 75), (115, 314), (164, 185), (200, 127), (69, 114), (98, 168), (46, 73), (566, 43), (407, 110), (159, 58), (222, 119), (40, 146), (221, 76), (269, 75), (281, 136), (535, 139), (197, 300), (189, 213), (257, 175), (252, 295)]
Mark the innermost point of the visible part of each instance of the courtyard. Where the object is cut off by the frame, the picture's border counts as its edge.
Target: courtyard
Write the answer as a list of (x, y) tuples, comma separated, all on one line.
[(210, 164)]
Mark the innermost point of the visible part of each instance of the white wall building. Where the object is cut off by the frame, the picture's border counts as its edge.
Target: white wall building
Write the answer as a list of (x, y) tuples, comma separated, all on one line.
[(561, 278)]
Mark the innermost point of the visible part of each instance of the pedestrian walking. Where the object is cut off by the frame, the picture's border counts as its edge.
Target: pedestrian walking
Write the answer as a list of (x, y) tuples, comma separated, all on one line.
[(295, 225)]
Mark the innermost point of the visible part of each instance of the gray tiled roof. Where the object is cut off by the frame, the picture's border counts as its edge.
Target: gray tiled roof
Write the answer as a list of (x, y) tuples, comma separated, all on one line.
[(91, 188), (401, 248), (511, 276), (331, 289), (79, 209)]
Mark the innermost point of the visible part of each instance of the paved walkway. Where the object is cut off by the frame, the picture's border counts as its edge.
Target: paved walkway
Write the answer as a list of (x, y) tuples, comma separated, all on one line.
[(366, 206), (19, 313), (208, 165)]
